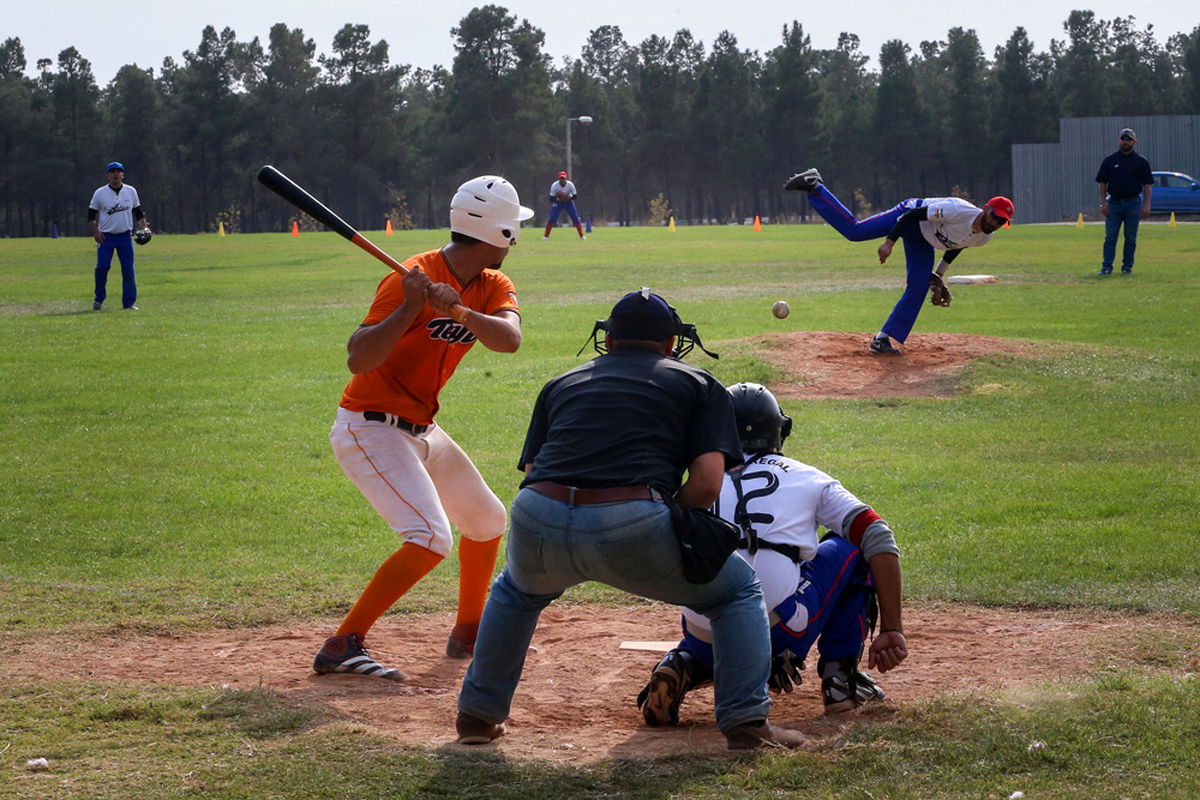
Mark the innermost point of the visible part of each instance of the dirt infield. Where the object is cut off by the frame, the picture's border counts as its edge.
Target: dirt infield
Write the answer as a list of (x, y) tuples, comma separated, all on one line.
[(575, 702)]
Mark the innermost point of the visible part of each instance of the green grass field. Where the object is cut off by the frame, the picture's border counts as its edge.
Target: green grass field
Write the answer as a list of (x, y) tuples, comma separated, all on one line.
[(168, 470)]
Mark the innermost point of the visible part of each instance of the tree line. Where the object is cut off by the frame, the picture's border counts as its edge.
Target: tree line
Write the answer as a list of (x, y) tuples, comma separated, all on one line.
[(705, 134)]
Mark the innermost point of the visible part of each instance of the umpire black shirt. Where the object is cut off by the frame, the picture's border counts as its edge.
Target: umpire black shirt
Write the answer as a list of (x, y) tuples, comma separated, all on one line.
[(630, 417), (1124, 174)]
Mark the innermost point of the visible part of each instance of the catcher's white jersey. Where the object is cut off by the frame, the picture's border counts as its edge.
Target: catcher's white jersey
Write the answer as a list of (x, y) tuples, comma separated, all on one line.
[(114, 210), (950, 222), (786, 501), (562, 192)]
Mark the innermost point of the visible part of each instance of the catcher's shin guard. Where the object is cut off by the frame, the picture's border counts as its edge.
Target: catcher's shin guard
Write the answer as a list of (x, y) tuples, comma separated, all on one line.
[(843, 687), (672, 678)]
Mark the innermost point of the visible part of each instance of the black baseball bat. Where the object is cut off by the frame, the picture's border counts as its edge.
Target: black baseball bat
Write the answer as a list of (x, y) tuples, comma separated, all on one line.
[(291, 191)]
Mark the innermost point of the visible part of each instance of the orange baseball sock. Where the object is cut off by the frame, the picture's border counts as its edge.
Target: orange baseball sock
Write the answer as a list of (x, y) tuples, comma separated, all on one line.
[(476, 562), (395, 576)]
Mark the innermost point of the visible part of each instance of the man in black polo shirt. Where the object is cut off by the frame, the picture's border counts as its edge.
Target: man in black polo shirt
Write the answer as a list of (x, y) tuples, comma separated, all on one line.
[(607, 443), (1125, 182)]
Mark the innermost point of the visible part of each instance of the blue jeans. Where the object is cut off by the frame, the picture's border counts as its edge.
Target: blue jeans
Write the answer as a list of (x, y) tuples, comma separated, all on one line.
[(1128, 212), (553, 545), (918, 253), (122, 243)]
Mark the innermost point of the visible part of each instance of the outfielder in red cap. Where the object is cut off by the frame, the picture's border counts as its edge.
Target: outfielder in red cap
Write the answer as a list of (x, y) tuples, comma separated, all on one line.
[(926, 225), (562, 198)]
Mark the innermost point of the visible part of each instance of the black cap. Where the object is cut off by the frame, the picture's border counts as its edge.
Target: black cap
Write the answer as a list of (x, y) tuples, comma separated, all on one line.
[(642, 315)]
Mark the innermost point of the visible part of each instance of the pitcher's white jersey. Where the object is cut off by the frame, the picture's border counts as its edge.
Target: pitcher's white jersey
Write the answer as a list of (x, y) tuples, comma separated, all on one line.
[(950, 224)]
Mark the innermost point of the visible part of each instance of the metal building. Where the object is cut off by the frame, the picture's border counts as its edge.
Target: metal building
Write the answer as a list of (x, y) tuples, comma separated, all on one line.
[(1057, 182)]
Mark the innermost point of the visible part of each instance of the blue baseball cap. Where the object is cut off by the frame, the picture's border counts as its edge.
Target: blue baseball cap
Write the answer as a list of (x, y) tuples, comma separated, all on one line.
[(642, 315), (115, 165)]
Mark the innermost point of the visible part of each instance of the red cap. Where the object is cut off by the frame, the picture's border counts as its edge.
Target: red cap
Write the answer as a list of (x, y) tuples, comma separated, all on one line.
[(1002, 207), (562, 174)]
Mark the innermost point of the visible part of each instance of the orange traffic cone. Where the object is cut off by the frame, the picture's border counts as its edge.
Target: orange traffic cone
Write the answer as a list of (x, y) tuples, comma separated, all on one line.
[(757, 223), (388, 230), (295, 227)]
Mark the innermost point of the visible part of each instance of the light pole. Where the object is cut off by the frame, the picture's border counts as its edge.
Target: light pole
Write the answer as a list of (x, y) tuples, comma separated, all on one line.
[(581, 121)]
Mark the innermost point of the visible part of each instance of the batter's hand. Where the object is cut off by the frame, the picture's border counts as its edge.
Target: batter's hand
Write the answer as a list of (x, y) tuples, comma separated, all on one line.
[(416, 286), (442, 296), (887, 651), (885, 250)]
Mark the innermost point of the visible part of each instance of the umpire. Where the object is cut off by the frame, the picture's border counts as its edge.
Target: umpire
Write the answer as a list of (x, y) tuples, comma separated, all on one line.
[(608, 441)]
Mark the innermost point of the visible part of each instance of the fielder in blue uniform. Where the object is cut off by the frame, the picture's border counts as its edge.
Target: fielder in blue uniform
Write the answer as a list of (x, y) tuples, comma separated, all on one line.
[(816, 590), (949, 224), (112, 214), (562, 198)]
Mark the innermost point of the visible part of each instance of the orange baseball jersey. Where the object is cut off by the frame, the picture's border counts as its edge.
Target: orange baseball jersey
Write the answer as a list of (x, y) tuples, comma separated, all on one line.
[(407, 383)]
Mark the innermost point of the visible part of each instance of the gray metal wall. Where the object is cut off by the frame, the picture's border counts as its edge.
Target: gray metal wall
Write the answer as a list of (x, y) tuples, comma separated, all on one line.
[(1056, 182)]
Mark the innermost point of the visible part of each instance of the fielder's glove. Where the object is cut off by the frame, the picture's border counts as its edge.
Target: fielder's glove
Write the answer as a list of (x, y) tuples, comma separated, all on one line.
[(939, 295), (142, 236), (785, 672)]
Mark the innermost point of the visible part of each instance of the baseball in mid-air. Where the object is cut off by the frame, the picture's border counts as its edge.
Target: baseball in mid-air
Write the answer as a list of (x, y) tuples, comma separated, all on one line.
[(781, 309)]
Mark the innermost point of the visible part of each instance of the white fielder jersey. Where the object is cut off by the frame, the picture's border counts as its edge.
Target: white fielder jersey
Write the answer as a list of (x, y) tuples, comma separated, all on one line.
[(950, 222), (561, 192), (786, 501), (114, 210)]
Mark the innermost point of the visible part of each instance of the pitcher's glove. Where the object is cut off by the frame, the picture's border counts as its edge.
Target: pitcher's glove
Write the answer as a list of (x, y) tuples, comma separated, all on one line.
[(785, 672), (142, 236), (939, 295)]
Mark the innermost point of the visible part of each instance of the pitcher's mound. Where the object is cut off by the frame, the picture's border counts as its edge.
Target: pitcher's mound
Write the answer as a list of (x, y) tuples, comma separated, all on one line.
[(818, 364)]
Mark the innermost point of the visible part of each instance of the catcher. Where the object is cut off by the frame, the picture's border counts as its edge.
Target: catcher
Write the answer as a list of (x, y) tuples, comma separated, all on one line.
[(925, 225), (822, 592)]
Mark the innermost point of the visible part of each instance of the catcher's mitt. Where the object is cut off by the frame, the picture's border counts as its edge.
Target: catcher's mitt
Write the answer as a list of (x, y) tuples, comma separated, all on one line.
[(142, 236), (939, 295)]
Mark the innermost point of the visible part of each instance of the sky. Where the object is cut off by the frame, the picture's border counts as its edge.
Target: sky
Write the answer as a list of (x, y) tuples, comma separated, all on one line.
[(418, 31)]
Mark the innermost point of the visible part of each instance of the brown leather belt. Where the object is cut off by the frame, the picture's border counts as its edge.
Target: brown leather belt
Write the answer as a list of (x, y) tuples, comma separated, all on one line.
[(584, 497)]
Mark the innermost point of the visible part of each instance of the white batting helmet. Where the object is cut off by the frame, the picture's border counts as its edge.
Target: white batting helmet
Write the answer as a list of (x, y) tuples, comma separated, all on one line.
[(487, 208)]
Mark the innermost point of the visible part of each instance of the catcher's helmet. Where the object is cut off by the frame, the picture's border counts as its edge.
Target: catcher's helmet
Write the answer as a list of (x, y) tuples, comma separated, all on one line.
[(762, 425), (487, 208)]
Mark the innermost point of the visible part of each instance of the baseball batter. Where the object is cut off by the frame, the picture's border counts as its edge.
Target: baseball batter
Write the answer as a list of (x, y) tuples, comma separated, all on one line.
[(816, 590), (112, 214), (949, 224), (384, 435), (562, 198)]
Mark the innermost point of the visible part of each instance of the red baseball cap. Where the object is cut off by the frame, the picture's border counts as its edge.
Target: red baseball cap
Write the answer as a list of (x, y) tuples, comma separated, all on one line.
[(1001, 206), (562, 174)]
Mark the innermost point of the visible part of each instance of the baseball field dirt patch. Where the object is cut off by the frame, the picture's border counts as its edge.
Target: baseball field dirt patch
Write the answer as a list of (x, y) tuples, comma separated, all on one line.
[(575, 702)]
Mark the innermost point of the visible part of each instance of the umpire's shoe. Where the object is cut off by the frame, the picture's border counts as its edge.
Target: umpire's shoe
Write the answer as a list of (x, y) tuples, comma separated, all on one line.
[(345, 653), (752, 735), (843, 687), (473, 730), (673, 677), (804, 181)]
